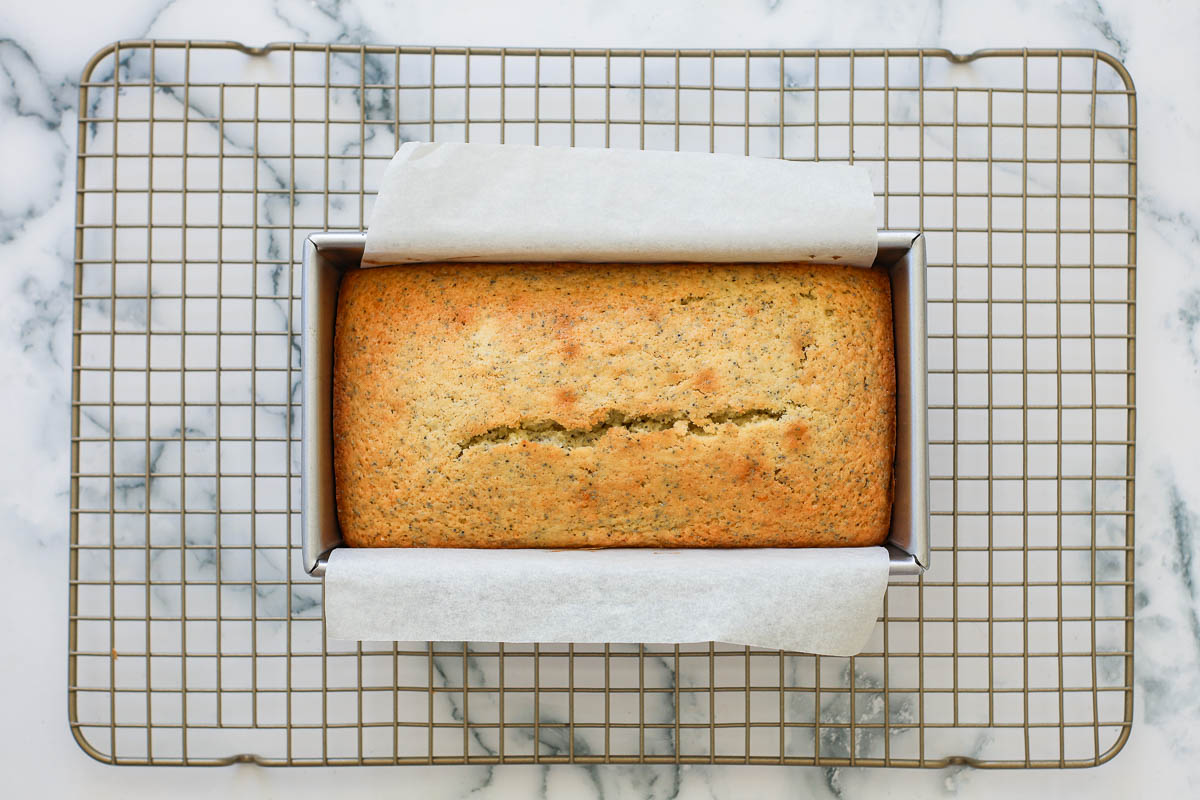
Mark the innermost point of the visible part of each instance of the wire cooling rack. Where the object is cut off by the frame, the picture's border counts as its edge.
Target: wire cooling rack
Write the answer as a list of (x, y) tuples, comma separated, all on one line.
[(195, 635)]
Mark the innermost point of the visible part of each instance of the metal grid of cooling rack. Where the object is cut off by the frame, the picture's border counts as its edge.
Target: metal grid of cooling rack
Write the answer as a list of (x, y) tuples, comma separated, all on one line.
[(197, 638)]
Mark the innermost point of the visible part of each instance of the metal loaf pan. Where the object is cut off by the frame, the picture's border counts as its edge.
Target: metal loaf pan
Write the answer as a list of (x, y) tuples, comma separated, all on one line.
[(327, 256)]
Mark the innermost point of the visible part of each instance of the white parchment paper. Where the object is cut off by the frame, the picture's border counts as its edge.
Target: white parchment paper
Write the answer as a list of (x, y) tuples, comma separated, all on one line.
[(819, 600), (479, 202), (473, 202)]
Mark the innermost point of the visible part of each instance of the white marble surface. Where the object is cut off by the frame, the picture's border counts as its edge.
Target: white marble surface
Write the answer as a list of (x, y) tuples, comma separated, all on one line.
[(42, 49)]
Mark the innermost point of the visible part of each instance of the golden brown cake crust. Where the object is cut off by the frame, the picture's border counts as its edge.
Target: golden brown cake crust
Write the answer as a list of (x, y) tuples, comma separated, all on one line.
[(585, 405)]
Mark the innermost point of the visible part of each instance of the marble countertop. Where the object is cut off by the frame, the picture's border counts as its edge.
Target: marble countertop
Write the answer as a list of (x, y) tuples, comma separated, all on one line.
[(43, 47)]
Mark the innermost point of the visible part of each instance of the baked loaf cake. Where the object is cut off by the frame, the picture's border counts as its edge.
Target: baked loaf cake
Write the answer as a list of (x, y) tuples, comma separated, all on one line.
[(584, 405)]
